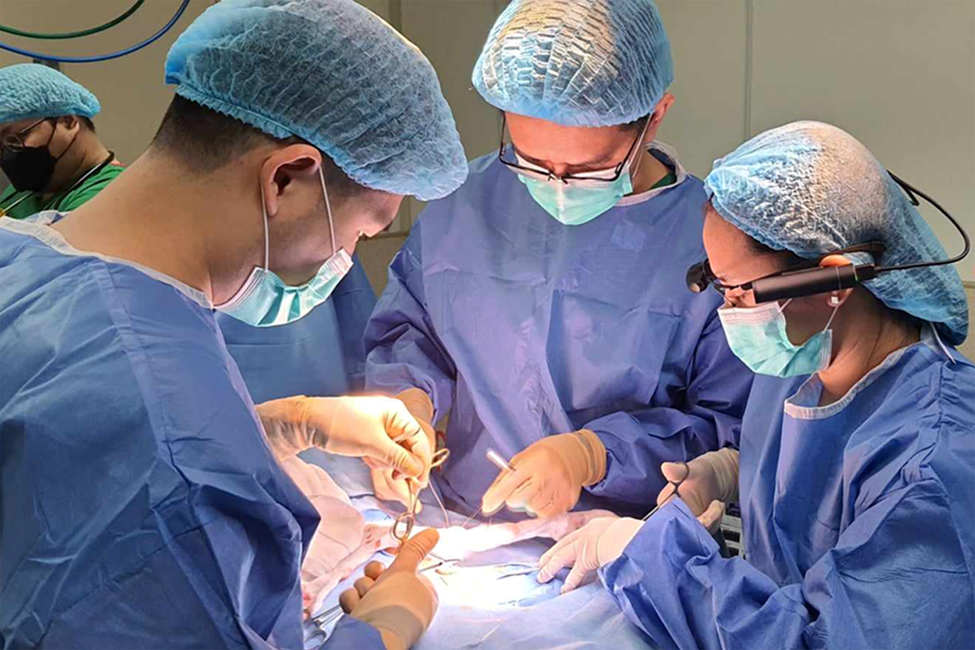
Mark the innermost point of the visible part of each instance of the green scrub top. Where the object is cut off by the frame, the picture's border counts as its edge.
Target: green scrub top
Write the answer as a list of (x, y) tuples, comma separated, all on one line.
[(66, 202), (667, 180)]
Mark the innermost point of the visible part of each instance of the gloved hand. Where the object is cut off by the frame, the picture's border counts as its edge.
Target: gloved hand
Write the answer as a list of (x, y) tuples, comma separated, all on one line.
[(396, 601), (597, 543), (387, 483), (549, 475), (711, 481), (377, 429)]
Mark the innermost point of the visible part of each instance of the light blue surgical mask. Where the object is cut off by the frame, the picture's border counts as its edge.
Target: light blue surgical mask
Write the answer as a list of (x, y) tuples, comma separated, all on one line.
[(578, 200), (574, 204), (758, 336), (265, 300)]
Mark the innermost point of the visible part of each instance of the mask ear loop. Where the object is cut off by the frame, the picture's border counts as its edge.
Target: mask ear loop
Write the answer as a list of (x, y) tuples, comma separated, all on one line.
[(267, 241), (328, 209), (831, 317), (639, 148)]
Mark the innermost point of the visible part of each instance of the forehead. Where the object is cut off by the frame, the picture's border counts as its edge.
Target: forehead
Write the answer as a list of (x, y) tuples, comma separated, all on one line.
[(17, 126), (732, 254), (547, 141)]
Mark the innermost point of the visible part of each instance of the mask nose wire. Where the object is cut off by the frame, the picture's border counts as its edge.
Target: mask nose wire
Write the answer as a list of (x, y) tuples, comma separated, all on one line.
[(328, 209)]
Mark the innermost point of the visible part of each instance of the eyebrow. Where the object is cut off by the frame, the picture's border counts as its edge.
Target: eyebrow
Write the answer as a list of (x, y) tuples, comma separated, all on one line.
[(592, 165)]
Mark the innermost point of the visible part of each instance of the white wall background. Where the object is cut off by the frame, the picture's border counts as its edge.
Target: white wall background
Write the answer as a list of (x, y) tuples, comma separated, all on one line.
[(897, 74)]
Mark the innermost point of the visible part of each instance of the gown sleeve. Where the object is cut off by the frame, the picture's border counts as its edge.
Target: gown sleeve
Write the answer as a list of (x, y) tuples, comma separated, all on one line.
[(637, 442), (896, 578), (402, 347)]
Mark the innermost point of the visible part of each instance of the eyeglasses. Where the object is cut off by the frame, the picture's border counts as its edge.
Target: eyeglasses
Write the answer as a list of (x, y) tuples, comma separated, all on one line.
[(15, 141), (509, 158), (700, 276)]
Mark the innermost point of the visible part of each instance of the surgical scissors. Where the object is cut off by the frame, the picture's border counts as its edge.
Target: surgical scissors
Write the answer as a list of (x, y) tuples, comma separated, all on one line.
[(403, 526), (675, 493)]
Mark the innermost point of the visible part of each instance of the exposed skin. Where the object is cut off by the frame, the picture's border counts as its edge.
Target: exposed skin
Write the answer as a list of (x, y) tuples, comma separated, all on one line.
[(207, 231), (573, 149), (76, 147), (865, 331)]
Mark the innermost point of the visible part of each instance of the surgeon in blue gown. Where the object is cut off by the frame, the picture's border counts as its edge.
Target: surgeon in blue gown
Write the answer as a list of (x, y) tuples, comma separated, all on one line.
[(857, 449), (321, 354), (542, 305), (142, 503)]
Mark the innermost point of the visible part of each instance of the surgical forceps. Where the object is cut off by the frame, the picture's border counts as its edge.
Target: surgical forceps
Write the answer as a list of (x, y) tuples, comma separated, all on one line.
[(403, 526)]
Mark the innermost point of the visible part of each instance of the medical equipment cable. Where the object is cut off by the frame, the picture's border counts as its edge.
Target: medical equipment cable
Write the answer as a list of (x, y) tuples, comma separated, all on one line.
[(102, 57), (79, 34)]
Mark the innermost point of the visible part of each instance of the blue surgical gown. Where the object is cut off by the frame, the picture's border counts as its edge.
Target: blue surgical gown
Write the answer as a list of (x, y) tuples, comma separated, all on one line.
[(521, 327), (321, 354), (140, 506), (858, 517)]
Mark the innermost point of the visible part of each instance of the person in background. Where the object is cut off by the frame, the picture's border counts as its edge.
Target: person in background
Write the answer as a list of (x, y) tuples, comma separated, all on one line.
[(542, 305), (142, 502), (49, 150), (856, 474)]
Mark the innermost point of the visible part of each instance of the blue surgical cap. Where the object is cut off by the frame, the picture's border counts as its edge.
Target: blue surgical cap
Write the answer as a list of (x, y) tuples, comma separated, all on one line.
[(576, 62), (812, 189), (30, 91), (332, 73)]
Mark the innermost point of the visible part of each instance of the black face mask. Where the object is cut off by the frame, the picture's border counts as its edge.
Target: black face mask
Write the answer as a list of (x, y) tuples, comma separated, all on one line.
[(29, 170)]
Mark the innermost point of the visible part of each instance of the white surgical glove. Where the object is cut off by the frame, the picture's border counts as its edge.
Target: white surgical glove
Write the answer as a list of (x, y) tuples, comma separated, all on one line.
[(711, 481), (597, 543), (379, 430), (396, 601)]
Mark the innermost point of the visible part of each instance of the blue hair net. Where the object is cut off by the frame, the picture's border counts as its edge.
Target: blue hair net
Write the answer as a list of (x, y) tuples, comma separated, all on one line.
[(332, 73), (576, 62), (812, 189), (31, 91)]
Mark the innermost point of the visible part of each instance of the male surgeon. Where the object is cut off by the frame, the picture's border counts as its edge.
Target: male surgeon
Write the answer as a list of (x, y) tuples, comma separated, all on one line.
[(542, 305), (142, 504)]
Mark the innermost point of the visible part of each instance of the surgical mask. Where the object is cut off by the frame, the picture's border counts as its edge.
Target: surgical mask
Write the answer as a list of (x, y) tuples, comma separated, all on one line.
[(757, 336), (574, 204), (579, 200), (265, 300), (30, 169)]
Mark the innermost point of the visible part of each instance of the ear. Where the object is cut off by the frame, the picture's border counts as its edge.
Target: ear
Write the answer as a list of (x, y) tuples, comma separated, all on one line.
[(836, 298), (657, 117), (284, 167), (70, 123)]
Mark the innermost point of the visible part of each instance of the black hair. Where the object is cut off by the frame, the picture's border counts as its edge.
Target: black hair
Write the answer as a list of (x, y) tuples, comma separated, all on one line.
[(203, 140), (88, 123), (636, 125), (759, 248)]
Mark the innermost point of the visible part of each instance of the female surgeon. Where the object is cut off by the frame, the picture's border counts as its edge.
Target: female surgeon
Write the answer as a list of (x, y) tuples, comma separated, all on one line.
[(857, 448)]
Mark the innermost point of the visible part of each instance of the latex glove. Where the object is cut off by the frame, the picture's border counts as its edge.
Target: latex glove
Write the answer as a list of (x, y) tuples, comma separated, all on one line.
[(396, 601), (549, 475), (377, 429), (387, 483), (711, 481), (597, 543)]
